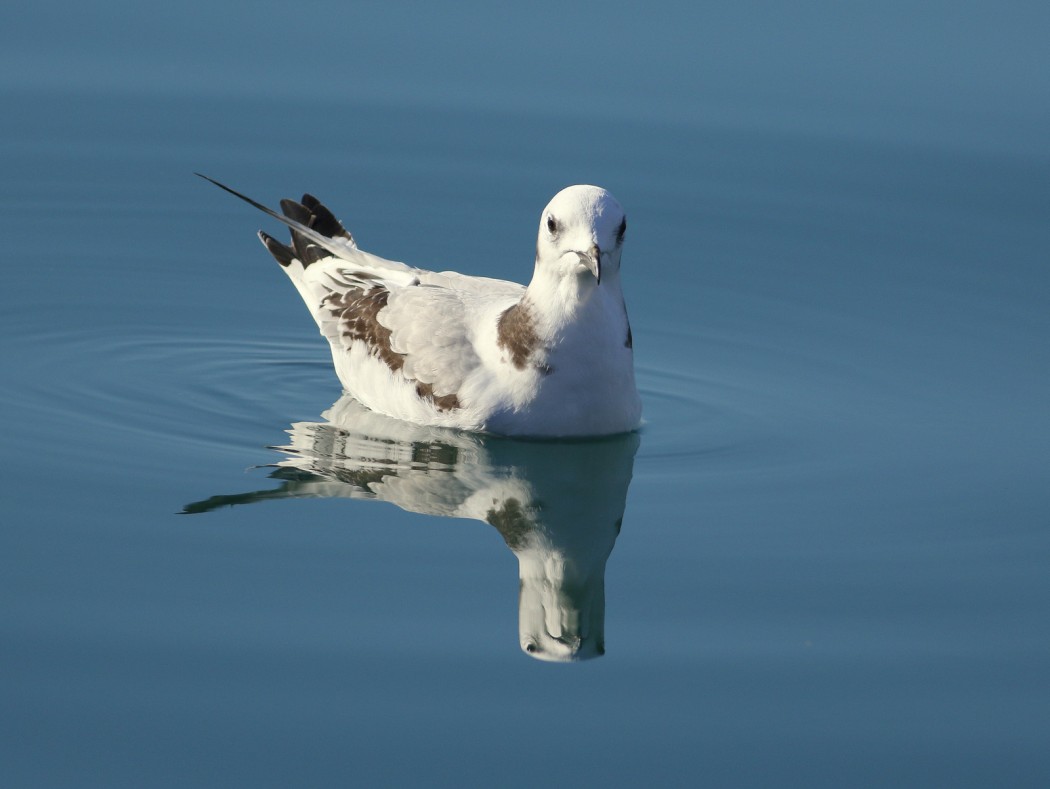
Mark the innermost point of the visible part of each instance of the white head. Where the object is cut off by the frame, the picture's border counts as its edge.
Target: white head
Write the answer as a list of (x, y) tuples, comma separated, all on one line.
[(581, 234)]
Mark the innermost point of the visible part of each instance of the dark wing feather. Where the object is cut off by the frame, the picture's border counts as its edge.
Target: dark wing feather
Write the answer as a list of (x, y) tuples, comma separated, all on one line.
[(335, 243)]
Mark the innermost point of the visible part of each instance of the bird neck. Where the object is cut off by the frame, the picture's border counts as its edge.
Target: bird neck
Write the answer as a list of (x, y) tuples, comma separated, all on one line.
[(557, 302)]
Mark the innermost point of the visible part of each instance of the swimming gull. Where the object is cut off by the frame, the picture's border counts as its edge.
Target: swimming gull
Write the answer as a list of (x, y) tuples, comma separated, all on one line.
[(446, 349)]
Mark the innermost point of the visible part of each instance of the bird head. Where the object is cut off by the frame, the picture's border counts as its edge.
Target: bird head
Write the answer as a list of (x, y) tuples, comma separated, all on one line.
[(581, 234)]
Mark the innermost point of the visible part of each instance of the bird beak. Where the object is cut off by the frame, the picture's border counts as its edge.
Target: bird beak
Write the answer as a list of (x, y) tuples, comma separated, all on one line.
[(592, 258)]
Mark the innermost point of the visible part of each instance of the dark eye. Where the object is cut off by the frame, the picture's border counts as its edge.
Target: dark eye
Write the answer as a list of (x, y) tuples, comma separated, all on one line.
[(621, 231), (552, 224)]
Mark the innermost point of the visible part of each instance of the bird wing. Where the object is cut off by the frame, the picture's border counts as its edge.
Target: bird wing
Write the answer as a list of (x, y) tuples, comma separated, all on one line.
[(420, 323), (426, 329), (434, 324)]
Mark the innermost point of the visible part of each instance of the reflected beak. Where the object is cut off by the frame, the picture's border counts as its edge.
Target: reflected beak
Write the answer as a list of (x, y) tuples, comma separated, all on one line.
[(592, 258)]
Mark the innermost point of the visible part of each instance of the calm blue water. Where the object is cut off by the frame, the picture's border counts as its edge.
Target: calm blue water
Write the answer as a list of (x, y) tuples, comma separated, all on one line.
[(832, 567)]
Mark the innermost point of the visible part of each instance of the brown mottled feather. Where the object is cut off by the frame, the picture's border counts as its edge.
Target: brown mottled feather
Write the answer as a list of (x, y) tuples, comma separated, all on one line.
[(358, 313), (516, 334)]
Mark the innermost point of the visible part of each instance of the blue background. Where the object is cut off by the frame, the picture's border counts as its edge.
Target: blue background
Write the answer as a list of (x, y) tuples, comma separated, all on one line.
[(833, 563)]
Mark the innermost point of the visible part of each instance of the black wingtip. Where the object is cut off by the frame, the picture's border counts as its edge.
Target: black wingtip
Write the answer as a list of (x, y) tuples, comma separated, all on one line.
[(312, 227), (235, 193), (213, 181), (281, 253)]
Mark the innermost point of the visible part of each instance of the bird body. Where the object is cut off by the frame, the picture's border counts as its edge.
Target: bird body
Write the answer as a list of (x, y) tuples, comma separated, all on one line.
[(451, 350)]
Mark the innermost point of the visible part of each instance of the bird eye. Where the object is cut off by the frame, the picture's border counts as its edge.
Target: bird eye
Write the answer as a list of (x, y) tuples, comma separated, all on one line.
[(622, 230), (552, 224)]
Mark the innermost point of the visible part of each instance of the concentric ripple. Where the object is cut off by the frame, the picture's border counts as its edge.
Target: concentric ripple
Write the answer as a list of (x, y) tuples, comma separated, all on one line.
[(728, 401), (180, 385), (173, 385), (690, 417)]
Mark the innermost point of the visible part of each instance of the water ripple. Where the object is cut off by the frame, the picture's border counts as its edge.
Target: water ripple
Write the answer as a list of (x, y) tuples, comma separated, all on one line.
[(180, 385), (175, 385)]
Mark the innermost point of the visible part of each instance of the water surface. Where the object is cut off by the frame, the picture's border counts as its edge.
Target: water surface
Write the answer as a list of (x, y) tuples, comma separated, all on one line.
[(821, 562)]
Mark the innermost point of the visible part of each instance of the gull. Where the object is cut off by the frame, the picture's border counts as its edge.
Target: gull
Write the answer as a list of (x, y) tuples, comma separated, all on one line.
[(443, 349)]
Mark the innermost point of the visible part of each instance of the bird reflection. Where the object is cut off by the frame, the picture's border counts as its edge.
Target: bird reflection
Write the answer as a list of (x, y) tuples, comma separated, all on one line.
[(558, 505)]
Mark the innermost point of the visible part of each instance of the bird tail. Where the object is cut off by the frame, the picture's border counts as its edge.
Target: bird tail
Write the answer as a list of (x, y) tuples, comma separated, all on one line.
[(313, 214), (323, 255), (316, 233)]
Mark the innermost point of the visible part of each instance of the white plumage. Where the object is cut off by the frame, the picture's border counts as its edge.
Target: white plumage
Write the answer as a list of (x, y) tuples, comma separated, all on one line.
[(450, 350)]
